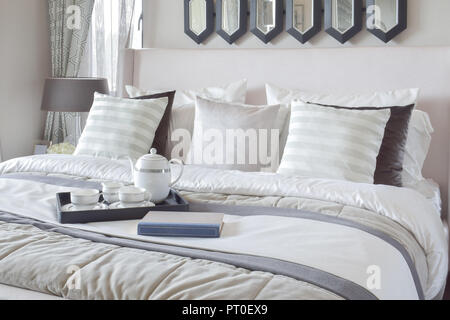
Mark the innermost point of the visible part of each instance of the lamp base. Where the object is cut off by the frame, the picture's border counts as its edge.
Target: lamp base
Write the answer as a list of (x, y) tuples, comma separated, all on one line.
[(78, 129), (74, 138)]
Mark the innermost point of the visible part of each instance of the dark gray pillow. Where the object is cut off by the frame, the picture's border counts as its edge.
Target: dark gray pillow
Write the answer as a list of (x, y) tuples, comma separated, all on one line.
[(392, 152), (162, 133)]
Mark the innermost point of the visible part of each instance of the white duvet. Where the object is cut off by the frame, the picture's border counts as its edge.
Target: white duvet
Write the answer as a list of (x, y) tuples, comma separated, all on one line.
[(404, 206)]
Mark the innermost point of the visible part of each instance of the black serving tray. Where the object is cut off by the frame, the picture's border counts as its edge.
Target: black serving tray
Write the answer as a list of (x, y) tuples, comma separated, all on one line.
[(173, 203)]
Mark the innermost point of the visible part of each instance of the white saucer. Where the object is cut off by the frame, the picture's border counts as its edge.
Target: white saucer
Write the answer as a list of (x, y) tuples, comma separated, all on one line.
[(120, 205), (72, 207)]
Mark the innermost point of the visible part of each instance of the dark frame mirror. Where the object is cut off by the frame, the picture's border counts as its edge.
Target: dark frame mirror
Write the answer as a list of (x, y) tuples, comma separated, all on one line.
[(316, 20), (342, 17), (277, 19), (375, 23), (208, 27), (241, 17)]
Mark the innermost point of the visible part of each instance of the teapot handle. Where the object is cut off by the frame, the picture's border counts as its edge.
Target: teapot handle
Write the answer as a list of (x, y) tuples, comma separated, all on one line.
[(181, 165)]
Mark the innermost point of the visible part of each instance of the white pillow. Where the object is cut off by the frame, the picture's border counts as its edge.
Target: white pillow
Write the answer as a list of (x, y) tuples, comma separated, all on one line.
[(119, 128), (400, 98), (233, 92), (215, 143), (332, 143), (419, 135), (417, 147), (183, 110)]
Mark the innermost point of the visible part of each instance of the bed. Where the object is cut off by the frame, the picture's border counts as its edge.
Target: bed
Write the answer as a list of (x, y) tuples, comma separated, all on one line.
[(285, 237)]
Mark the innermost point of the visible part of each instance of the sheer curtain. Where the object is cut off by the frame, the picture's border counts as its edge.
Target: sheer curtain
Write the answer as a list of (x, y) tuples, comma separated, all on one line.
[(109, 35)]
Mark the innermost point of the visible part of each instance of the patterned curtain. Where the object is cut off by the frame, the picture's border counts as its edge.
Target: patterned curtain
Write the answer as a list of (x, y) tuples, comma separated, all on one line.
[(69, 22)]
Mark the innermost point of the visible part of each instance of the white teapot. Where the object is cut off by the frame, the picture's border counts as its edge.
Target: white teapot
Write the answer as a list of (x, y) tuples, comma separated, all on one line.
[(152, 172)]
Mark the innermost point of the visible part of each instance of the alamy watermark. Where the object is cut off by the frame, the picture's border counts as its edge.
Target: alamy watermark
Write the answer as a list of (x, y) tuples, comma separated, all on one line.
[(229, 147), (74, 281), (374, 280), (73, 21)]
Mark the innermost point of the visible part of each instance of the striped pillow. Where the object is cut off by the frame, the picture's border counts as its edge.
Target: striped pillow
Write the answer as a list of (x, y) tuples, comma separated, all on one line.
[(119, 128), (334, 143)]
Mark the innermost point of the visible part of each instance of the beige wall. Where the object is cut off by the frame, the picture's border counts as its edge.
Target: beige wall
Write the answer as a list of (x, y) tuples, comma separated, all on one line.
[(164, 28), (24, 64)]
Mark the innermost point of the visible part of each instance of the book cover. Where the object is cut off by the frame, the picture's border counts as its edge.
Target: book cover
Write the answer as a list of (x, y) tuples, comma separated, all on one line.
[(181, 224)]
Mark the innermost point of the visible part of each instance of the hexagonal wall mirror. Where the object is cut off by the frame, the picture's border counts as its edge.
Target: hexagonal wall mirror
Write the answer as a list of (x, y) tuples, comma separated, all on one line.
[(266, 19), (386, 18), (303, 18), (343, 18), (231, 22), (198, 19)]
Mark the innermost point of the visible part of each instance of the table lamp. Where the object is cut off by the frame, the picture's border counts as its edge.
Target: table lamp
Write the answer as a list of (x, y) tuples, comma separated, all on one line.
[(74, 95)]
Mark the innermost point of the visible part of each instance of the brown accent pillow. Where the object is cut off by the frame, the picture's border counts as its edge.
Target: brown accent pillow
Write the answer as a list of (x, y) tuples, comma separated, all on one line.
[(392, 151), (162, 133)]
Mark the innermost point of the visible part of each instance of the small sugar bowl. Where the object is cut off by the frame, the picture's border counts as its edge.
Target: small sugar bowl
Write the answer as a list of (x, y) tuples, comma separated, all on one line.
[(111, 191)]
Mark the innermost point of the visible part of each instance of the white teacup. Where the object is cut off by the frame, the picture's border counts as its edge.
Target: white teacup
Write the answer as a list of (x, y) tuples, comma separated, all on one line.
[(135, 195), (111, 191), (85, 197)]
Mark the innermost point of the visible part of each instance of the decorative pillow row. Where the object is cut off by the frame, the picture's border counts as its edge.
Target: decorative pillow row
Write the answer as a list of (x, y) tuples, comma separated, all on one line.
[(362, 145), (222, 117)]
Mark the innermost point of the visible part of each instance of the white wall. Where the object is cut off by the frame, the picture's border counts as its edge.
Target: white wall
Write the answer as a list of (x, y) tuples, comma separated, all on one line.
[(428, 24), (24, 64)]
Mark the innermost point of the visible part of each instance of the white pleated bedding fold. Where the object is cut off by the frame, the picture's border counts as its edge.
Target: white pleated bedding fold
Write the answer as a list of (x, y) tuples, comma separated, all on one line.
[(404, 206)]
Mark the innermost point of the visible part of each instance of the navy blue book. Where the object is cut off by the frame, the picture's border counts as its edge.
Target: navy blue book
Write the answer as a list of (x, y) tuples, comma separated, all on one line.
[(181, 224)]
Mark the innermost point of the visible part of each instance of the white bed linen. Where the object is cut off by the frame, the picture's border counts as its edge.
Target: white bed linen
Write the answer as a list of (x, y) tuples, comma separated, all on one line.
[(430, 190), (405, 206)]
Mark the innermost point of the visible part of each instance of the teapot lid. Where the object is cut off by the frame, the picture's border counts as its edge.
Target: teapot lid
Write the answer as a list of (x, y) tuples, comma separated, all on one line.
[(154, 156), (152, 161)]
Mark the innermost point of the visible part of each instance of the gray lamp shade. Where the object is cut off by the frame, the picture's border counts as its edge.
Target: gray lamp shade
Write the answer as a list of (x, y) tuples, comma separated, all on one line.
[(72, 94)]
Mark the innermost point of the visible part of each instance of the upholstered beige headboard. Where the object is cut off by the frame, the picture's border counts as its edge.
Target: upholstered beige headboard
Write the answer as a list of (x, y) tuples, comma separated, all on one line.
[(323, 70)]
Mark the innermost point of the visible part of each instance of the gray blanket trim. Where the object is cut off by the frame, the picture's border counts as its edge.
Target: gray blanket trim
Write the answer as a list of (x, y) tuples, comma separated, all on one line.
[(294, 213), (337, 285), (56, 181)]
